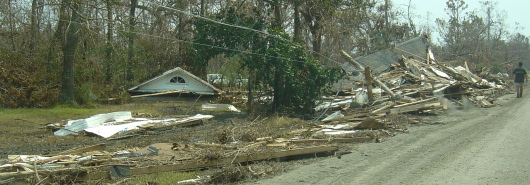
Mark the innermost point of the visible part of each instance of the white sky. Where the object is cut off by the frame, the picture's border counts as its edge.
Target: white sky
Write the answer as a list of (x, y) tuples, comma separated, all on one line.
[(426, 12)]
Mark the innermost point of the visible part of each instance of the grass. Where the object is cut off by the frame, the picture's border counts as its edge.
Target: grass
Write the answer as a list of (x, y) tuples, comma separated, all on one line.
[(46, 115)]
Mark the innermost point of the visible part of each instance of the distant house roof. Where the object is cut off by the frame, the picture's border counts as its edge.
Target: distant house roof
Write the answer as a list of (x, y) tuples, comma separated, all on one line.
[(167, 76), (382, 60)]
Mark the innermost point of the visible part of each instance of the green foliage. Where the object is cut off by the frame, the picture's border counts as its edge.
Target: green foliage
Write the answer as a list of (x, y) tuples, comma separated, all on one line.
[(213, 39), (297, 80)]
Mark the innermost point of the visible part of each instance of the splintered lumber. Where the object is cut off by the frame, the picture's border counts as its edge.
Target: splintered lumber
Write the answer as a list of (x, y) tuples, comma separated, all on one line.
[(68, 171), (51, 159), (416, 102), (284, 144), (485, 103), (351, 61), (6, 175), (416, 107), (160, 93), (334, 140), (209, 145), (359, 66), (193, 165), (383, 109), (264, 139)]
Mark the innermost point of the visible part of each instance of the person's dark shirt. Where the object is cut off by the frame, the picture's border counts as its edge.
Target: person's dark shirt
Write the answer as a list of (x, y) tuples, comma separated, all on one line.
[(519, 73)]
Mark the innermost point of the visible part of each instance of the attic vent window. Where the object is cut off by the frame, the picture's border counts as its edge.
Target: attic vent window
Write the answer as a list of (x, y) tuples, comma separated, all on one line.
[(178, 79)]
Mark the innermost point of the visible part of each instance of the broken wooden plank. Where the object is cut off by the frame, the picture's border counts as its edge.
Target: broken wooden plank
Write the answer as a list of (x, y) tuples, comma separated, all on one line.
[(485, 103), (368, 76), (264, 139), (383, 108), (213, 163), (6, 175), (334, 140), (209, 145), (52, 159), (416, 102), (416, 107), (284, 144)]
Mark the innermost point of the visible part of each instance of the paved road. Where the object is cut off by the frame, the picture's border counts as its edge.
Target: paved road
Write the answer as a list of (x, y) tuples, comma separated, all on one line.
[(472, 146)]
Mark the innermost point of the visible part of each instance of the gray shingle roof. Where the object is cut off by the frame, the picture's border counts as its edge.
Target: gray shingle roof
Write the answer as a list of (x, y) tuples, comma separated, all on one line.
[(381, 61)]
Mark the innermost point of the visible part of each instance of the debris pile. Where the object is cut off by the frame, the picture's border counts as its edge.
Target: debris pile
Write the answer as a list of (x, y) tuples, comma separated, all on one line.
[(416, 86), (93, 163)]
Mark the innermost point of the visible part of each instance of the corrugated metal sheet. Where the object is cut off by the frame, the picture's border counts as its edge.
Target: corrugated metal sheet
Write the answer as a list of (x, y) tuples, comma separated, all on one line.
[(92, 121)]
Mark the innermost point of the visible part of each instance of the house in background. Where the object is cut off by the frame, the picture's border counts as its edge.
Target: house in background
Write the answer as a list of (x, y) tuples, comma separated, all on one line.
[(174, 80)]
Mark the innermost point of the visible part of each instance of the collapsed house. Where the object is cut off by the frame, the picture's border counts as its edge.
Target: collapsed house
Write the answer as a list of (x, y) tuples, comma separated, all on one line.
[(407, 73), (176, 80)]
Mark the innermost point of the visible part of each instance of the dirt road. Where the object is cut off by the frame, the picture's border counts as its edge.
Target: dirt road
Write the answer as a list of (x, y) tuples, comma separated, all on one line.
[(472, 146)]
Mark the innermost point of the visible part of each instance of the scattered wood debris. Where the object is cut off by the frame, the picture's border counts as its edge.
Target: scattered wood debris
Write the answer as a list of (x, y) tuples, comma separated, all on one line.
[(92, 163)]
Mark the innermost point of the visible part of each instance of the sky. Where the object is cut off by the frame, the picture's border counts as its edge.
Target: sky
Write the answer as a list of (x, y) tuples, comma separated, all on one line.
[(426, 11)]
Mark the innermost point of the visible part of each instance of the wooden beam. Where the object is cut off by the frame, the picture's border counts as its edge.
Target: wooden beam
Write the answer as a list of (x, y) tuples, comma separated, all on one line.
[(334, 140), (380, 110), (416, 107), (359, 66), (416, 102), (368, 76), (213, 163), (350, 60), (52, 159)]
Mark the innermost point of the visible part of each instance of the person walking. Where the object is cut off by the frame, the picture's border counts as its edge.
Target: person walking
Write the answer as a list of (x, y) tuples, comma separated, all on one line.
[(519, 77)]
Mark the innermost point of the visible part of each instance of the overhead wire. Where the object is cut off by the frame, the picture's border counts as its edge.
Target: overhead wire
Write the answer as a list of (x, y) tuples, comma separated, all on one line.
[(235, 26), (191, 42), (220, 47)]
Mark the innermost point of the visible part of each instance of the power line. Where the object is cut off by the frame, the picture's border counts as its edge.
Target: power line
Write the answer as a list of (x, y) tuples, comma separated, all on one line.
[(235, 26), (201, 44)]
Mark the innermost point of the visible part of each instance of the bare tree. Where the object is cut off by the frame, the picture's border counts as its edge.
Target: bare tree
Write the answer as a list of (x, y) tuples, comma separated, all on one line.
[(131, 37), (72, 38), (108, 52)]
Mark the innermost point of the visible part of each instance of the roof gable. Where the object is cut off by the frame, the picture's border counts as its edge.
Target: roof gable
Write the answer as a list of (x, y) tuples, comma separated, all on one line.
[(169, 74)]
